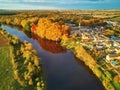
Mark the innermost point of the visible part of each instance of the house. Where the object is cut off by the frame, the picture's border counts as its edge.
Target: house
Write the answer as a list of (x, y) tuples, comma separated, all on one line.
[(108, 58), (112, 57), (70, 24), (113, 37), (111, 23), (84, 37), (115, 63)]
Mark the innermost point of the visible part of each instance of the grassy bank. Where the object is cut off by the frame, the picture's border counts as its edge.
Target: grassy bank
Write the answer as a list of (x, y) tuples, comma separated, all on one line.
[(103, 75), (7, 81)]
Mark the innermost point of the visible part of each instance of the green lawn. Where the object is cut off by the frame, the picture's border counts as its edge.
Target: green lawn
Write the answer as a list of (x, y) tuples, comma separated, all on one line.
[(7, 81), (117, 85), (117, 19)]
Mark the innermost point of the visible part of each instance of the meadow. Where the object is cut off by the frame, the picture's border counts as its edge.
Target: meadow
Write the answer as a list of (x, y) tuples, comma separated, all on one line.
[(7, 81)]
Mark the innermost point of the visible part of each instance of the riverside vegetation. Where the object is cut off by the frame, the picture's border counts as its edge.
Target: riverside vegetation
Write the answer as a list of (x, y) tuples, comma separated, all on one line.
[(108, 79), (25, 65)]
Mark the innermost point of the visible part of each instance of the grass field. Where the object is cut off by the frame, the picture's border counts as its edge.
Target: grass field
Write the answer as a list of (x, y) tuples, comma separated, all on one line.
[(7, 81), (117, 19), (6, 73)]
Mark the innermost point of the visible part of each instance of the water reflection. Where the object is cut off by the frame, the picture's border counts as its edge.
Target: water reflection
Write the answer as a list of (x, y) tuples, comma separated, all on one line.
[(51, 46), (20, 29), (16, 27)]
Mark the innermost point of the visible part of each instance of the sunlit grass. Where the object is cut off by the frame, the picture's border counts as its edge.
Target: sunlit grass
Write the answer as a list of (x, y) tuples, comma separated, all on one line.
[(7, 81), (117, 19)]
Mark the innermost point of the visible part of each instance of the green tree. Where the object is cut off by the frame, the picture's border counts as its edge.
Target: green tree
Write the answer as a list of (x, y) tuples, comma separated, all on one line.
[(27, 26)]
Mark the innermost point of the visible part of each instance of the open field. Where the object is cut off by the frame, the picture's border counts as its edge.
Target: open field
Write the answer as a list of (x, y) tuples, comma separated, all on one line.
[(7, 81), (117, 19)]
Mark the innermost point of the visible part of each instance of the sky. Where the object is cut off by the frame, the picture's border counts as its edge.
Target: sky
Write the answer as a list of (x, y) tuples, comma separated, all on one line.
[(59, 4)]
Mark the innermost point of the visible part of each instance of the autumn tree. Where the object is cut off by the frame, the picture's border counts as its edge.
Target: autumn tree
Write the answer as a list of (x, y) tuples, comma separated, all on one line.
[(27, 26), (51, 30), (92, 22)]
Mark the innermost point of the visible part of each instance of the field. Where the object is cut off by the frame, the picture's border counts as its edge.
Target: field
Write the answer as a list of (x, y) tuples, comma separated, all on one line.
[(7, 81), (117, 19)]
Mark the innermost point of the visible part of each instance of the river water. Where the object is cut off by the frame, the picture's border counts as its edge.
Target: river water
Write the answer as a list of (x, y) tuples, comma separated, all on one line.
[(61, 70)]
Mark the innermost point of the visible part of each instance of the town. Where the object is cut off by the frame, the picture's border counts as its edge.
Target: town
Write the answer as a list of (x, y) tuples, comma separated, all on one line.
[(106, 50)]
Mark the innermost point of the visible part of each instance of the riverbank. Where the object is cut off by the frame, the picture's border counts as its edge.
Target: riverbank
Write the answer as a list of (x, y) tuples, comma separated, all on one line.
[(7, 81), (25, 65), (104, 76), (6, 73)]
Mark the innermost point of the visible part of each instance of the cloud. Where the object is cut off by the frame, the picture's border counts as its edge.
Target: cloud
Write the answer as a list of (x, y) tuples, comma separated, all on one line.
[(9, 0), (34, 0), (58, 4), (79, 1), (56, 1), (25, 6), (52, 1)]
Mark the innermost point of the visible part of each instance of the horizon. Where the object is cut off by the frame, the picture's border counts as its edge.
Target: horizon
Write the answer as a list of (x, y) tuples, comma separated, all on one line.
[(59, 5), (59, 9)]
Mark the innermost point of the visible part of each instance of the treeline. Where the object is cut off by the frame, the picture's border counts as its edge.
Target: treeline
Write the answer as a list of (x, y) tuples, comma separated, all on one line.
[(7, 12), (93, 22), (112, 31), (20, 21), (51, 30), (110, 80), (67, 16), (43, 27), (27, 68)]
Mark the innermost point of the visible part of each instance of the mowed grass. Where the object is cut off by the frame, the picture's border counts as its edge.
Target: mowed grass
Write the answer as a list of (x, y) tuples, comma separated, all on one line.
[(117, 19), (7, 81)]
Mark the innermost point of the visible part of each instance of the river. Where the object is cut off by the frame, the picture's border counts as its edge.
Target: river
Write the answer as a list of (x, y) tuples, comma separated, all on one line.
[(61, 70)]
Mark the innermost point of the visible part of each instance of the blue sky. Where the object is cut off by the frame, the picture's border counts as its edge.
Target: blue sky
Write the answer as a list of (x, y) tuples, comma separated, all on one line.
[(59, 4)]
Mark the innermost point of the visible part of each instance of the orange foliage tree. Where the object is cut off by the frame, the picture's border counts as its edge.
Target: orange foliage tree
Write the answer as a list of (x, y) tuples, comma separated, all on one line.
[(91, 22), (47, 28)]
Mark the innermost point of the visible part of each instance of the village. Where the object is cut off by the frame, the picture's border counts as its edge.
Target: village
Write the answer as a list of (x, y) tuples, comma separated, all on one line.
[(106, 50)]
